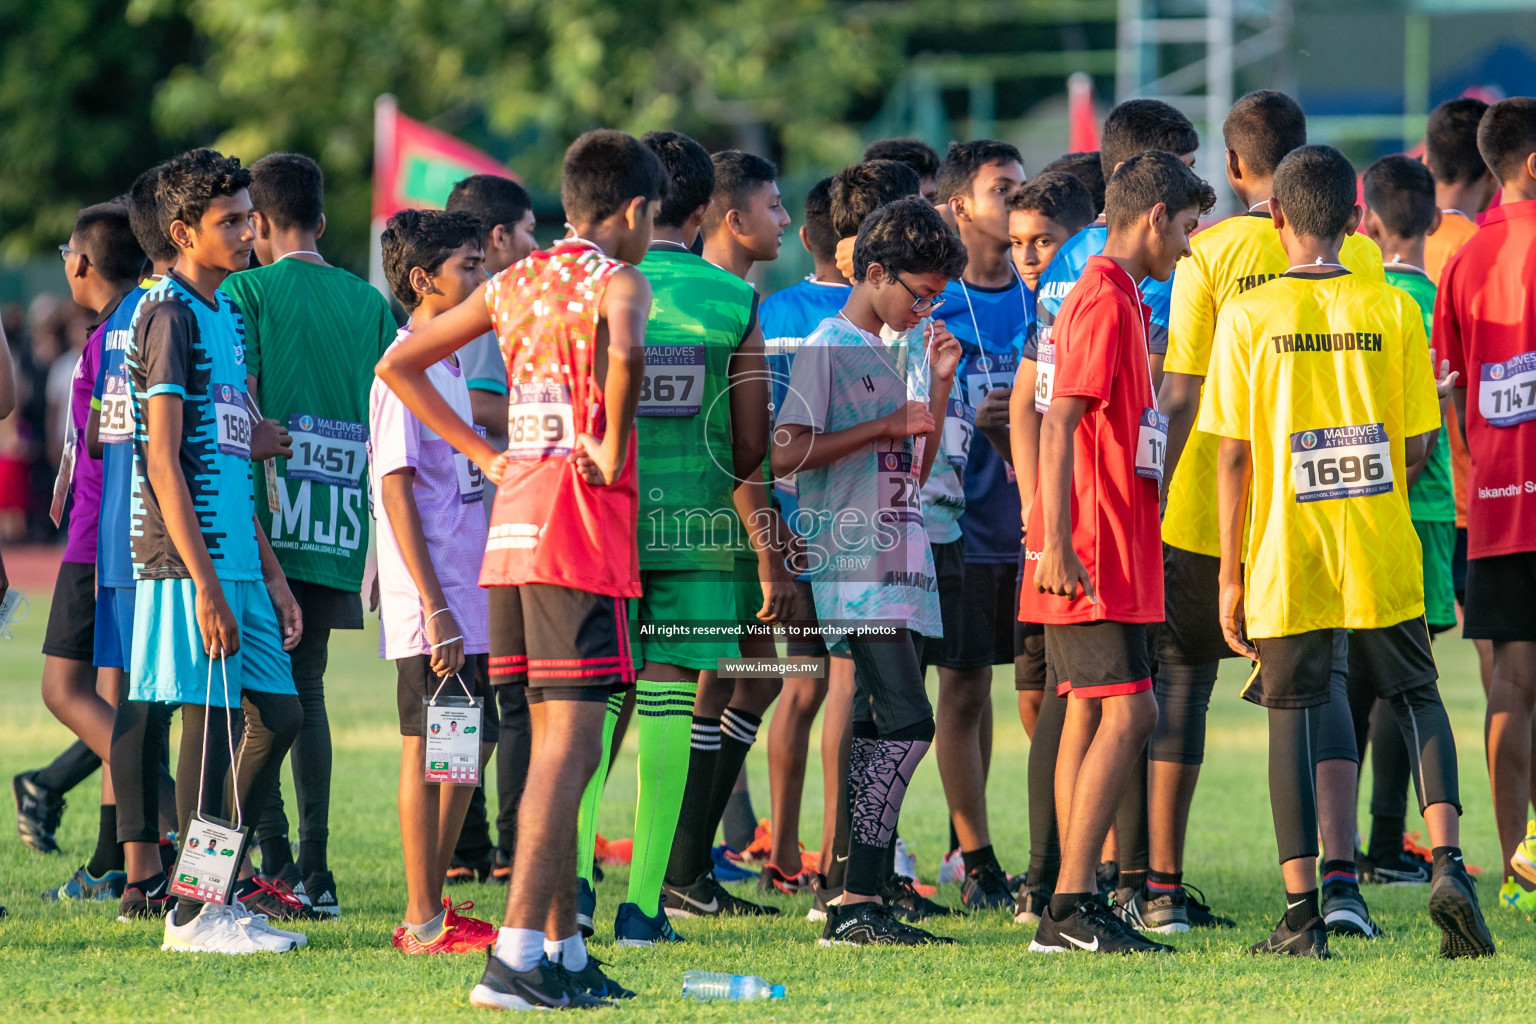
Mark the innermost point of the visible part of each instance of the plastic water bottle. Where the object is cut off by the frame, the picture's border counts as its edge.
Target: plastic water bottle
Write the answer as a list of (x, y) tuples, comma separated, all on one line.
[(704, 985)]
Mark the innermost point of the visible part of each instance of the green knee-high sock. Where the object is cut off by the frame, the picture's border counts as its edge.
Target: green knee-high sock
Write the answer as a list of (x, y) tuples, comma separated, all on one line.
[(586, 821), (664, 724)]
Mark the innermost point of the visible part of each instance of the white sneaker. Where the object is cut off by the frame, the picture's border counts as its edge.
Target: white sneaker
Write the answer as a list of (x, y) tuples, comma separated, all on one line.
[(952, 870), (262, 922), (906, 864), (218, 930)]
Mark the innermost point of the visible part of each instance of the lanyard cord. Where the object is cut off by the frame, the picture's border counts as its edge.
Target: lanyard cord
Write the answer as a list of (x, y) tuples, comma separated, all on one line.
[(433, 701), (986, 362), (1255, 206), (1396, 261), (574, 237), (229, 732), (300, 252), (1319, 263)]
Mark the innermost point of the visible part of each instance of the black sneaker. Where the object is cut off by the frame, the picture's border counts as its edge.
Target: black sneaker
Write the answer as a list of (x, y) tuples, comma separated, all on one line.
[(1107, 877), (137, 904), (290, 878), (901, 895), (501, 866), (38, 812), (1031, 903), (985, 888), (547, 987), (586, 907), (708, 898), (1311, 940), (320, 887), (591, 980), (1091, 928), (460, 870), (1453, 905), (1199, 910), (824, 898), (1345, 912), (1398, 868), (873, 924), (1163, 913)]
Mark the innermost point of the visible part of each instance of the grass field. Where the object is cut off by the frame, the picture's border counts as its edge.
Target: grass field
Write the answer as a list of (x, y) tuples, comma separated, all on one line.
[(77, 962)]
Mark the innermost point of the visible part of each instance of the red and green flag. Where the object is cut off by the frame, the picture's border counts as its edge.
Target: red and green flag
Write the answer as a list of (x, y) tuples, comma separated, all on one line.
[(416, 165)]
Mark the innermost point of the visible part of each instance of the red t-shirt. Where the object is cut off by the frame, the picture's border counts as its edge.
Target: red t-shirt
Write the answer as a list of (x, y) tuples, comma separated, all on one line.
[(548, 524), (1485, 324), (1101, 355)]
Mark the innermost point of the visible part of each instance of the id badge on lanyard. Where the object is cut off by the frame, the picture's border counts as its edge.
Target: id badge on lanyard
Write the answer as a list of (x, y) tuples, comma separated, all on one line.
[(66, 476), (1506, 392), (212, 849), (269, 466), (452, 736)]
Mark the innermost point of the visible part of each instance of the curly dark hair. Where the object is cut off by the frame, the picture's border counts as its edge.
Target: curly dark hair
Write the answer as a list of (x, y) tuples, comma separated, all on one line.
[(908, 237), (425, 239), (191, 182)]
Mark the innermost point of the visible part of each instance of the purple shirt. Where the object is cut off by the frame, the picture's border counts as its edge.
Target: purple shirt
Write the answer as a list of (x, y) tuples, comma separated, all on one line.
[(85, 489), (446, 488)]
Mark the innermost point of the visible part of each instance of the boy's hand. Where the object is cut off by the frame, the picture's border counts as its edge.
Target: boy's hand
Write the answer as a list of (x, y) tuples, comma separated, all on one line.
[(270, 439), (1445, 380), (844, 257), (289, 616), (449, 658), (912, 419), (373, 594), (1230, 614), (943, 351), (1060, 571), (221, 634), (992, 413), (494, 469), (596, 466)]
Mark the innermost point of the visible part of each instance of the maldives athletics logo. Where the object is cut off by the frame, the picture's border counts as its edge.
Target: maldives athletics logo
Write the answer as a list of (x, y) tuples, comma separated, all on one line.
[(306, 423), (1309, 440), (890, 462), (1496, 371), (435, 728), (226, 394)]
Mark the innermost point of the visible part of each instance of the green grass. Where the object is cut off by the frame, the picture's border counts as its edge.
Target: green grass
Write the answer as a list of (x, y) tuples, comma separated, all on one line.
[(77, 962)]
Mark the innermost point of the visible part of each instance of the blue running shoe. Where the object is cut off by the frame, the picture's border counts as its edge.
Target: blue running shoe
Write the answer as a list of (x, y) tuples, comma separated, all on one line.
[(727, 870), (632, 928), (586, 906), (81, 886)]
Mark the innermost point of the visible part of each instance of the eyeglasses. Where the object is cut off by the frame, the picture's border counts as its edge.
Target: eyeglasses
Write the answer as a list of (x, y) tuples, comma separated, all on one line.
[(920, 305), (65, 252)]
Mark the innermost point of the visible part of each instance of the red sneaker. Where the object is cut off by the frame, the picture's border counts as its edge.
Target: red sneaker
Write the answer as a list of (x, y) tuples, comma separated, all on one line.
[(771, 878), (452, 918), (459, 935), (761, 847)]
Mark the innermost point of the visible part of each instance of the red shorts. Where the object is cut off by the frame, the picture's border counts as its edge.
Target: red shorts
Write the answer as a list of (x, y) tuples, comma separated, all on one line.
[(1098, 659)]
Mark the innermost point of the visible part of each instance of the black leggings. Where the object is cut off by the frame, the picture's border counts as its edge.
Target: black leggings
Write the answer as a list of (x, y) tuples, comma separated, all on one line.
[(1183, 700), (311, 757), (1295, 736), (892, 729), (1391, 765), (1044, 841)]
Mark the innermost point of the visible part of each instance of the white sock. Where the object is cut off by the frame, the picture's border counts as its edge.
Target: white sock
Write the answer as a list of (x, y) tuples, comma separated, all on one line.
[(520, 948), (570, 953)]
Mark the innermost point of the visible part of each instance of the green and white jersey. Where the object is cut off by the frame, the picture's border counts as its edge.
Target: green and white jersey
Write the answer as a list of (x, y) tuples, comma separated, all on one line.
[(700, 315), (313, 334)]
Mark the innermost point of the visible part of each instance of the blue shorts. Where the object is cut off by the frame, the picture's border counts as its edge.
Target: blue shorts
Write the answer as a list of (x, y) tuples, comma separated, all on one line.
[(114, 627), (170, 665)]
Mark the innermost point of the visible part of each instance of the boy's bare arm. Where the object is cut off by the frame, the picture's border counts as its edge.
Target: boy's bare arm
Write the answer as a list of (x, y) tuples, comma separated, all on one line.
[(162, 457), (1059, 570), (1179, 398), (749, 406), (1024, 435), (399, 500), (625, 307), (1234, 475)]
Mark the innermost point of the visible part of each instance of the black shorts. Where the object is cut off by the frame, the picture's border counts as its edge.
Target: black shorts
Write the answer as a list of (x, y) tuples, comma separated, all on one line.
[(1294, 671), (1459, 565), (326, 607), (560, 638), (1098, 659), (71, 631), (415, 682), (1191, 631), (1028, 656), (1500, 602), (988, 606), (949, 571)]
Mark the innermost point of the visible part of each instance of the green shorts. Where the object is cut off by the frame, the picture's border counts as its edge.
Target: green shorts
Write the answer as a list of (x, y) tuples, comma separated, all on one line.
[(677, 599), (1438, 541)]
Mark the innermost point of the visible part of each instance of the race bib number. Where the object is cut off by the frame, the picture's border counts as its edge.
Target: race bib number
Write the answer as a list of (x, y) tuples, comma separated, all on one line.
[(471, 480), (452, 744), (116, 425), (540, 424), (327, 451), (1151, 445), (234, 422), (209, 861), (900, 496), (674, 380), (1045, 376), (988, 373), (1506, 394), (1341, 462), (959, 429)]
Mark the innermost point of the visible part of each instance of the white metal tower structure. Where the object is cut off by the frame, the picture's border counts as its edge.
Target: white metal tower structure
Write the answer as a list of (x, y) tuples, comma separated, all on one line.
[(1157, 43)]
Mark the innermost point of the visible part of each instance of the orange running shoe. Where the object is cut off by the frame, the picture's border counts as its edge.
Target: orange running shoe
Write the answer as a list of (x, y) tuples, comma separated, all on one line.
[(617, 851), (771, 880), (761, 847), (459, 935)]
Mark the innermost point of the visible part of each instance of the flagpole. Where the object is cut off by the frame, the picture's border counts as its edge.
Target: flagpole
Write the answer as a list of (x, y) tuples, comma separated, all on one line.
[(385, 109)]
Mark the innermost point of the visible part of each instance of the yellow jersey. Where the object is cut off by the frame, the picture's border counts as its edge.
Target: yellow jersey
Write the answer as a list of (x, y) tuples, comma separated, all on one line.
[(1226, 259), (1325, 378)]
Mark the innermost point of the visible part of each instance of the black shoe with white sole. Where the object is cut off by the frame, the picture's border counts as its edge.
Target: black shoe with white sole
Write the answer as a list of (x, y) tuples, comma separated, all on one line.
[(1199, 911), (901, 895), (1163, 913), (1453, 905), (1310, 940), (873, 924), (1398, 868), (1030, 904), (547, 986), (1091, 928), (320, 887), (708, 898), (1345, 912)]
